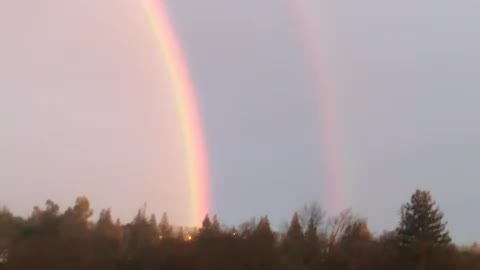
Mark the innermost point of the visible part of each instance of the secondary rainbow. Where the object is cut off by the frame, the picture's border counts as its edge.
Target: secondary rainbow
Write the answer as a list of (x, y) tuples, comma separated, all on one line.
[(330, 133), (183, 90)]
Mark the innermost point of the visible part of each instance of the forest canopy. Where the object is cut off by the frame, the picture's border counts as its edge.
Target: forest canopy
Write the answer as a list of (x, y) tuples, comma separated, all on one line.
[(51, 239)]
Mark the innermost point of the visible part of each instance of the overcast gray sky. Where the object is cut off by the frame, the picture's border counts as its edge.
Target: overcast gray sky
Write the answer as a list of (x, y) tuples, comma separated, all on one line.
[(83, 109)]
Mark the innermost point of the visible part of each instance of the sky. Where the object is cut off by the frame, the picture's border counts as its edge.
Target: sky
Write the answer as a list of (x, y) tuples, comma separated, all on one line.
[(84, 108)]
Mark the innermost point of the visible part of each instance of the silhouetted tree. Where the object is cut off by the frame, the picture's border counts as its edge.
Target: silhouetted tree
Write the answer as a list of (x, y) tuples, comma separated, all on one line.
[(44, 222), (337, 225), (210, 229), (164, 228), (54, 240), (356, 231), (294, 244), (105, 226), (10, 228), (312, 213), (153, 226), (263, 231), (107, 237), (141, 234), (215, 224), (312, 242), (264, 242), (422, 230), (357, 243), (75, 219)]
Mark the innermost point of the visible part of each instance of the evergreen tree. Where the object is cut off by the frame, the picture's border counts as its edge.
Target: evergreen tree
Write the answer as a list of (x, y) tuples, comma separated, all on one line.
[(206, 223), (262, 251), (295, 231), (153, 226), (53, 240), (118, 230), (180, 235), (210, 229), (263, 232), (422, 222), (106, 241), (216, 225), (206, 232), (165, 229), (422, 230), (142, 233), (311, 233), (294, 244), (312, 241), (105, 226)]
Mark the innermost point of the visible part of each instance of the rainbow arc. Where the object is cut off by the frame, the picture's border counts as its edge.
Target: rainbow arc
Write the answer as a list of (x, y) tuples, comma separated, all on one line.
[(186, 103)]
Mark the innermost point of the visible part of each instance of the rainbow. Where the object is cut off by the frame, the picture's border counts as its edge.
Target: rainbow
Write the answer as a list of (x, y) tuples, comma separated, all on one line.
[(186, 103), (329, 128)]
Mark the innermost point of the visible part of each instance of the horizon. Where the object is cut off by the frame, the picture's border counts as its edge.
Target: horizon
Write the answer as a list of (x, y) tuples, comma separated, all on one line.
[(242, 109)]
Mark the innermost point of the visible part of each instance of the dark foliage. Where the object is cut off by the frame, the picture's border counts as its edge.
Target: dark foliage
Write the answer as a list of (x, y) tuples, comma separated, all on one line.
[(50, 239)]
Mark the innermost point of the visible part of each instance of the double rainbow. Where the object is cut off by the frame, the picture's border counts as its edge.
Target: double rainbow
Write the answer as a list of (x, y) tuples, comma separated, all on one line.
[(189, 118)]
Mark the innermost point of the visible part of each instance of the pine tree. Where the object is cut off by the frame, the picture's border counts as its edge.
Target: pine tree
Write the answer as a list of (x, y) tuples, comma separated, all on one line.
[(262, 243), (165, 229), (422, 230), (105, 227), (180, 235), (263, 231), (153, 226), (294, 244), (205, 231), (118, 228), (206, 223), (311, 233), (210, 229), (142, 233), (312, 241), (295, 231), (106, 239), (422, 222), (215, 225)]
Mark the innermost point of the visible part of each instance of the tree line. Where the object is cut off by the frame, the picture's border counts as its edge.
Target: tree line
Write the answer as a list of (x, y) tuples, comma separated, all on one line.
[(50, 239)]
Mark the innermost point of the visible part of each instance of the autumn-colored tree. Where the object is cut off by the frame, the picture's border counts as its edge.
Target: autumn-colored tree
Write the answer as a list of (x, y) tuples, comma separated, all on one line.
[(54, 240), (357, 243), (75, 222)]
